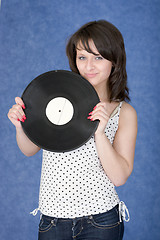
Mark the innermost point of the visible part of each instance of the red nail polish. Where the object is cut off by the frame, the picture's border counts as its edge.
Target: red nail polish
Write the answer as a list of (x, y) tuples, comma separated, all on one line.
[(23, 106), (90, 113), (22, 120), (89, 117), (18, 119), (94, 108), (24, 117)]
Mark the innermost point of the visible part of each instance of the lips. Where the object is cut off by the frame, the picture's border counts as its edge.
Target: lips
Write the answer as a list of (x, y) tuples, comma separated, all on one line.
[(91, 75)]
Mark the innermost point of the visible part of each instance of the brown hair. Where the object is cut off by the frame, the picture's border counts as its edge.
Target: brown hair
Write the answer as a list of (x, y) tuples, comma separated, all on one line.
[(110, 44)]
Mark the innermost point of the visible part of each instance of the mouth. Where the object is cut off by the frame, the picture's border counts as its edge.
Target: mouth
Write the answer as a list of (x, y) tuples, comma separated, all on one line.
[(91, 75)]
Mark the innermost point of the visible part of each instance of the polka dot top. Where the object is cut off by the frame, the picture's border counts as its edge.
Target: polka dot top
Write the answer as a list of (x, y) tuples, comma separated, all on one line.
[(74, 184)]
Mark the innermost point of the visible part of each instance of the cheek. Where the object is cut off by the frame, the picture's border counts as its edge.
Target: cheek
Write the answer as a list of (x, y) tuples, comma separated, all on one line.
[(108, 69), (79, 66)]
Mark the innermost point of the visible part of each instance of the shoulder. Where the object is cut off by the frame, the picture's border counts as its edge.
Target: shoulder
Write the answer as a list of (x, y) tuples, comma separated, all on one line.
[(127, 109), (128, 115)]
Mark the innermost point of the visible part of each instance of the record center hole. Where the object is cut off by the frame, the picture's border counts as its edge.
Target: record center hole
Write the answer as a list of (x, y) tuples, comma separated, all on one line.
[(59, 111)]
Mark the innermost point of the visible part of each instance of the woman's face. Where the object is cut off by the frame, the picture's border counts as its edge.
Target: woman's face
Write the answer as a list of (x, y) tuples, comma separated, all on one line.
[(94, 68)]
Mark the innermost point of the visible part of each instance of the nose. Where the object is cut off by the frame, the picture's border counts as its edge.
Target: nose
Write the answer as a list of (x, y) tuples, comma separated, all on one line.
[(90, 64)]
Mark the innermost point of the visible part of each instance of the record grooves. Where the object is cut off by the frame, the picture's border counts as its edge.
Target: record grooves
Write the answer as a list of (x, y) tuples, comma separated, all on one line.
[(57, 105)]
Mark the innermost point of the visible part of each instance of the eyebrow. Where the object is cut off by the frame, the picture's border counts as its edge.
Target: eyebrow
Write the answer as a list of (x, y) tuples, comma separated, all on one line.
[(82, 49)]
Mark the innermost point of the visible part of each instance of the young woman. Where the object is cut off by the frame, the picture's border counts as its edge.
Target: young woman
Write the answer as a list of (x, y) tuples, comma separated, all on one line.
[(77, 193)]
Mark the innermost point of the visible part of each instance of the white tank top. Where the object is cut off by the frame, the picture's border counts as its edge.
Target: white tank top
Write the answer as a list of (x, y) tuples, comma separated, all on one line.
[(74, 184)]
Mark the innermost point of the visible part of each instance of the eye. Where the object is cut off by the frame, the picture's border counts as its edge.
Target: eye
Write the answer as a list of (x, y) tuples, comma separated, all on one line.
[(99, 58), (81, 57)]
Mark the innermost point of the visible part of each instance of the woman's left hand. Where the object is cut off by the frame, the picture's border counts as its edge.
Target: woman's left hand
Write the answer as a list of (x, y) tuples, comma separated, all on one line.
[(100, 113)]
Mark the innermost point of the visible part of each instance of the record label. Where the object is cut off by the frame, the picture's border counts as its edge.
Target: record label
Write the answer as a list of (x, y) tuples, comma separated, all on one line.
[(59, 111)]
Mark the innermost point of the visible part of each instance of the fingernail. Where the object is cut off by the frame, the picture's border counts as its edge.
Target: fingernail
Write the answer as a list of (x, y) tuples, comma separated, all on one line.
[(24, 117), (94, 108), (90, 118), (23, 106), (18, 119), (22, 120), (90, 113)]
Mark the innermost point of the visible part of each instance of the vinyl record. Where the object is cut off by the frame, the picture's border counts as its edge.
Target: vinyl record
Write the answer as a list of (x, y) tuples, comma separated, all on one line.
[(57, 106)]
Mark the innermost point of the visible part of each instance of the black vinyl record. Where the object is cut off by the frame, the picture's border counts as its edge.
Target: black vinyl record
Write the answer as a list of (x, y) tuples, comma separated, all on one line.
[(57, 106)]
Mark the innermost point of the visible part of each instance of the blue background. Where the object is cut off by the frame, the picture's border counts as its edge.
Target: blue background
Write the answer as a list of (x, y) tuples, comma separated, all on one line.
[(33, 35)]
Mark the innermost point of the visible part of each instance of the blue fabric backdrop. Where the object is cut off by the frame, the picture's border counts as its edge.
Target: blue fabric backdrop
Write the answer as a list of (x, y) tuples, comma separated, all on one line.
[(33, 36)]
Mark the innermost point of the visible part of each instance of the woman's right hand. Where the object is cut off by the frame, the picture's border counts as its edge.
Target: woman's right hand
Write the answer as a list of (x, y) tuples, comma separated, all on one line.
[(16, 113)]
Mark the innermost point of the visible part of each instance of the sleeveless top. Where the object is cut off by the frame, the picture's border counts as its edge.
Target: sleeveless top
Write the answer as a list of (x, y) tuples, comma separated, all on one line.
[(74, 184)]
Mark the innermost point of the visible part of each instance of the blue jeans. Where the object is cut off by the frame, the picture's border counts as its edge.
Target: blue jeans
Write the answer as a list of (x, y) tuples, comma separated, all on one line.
[(104, 226)]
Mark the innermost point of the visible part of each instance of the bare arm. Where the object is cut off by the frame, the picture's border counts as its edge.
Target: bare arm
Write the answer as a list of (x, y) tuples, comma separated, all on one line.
[(16, 114), (117, 160), (26, 146)]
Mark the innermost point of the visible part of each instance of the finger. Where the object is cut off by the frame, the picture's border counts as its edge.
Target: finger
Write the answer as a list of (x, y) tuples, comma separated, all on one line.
[(18, 111), (99, 110), (99, 104), (19, 101), (103, 118), (100, 116), (13, 116)]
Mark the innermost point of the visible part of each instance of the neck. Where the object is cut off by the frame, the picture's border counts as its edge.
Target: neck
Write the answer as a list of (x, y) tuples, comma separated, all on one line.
[(103, 94)]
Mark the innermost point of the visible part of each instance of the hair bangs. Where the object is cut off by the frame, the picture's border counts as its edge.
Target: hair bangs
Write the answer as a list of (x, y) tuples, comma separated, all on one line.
[(85, 36), (83, 43)]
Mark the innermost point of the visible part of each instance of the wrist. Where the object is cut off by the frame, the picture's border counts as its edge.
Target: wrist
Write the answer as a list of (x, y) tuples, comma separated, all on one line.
[(100, 134), (19, 130)]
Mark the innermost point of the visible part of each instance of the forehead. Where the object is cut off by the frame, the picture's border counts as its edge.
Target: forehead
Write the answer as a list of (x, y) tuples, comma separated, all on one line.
[(88, 46)]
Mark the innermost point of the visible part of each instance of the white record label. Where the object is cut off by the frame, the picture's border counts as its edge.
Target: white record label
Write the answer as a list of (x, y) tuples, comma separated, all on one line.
[(59, 111)]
